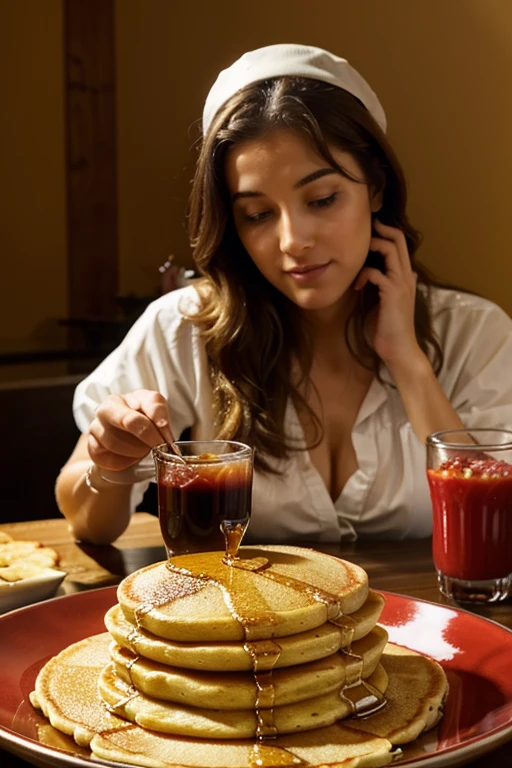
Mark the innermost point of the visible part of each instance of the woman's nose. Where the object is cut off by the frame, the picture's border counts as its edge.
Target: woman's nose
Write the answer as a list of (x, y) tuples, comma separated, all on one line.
[(295, 234)]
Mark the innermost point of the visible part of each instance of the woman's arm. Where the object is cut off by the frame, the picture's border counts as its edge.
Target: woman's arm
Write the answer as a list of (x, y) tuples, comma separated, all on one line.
[(123, 431), (95, 516), (394, 337), (427, 407)]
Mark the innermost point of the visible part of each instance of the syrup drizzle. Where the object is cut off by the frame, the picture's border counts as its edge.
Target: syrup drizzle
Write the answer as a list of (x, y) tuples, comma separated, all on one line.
[(363, 697), (130, 663), (332, 604), (133, 638), (264, 656), (233, 533), (264, 755), (247, 606), (121, 703), (126, 693)]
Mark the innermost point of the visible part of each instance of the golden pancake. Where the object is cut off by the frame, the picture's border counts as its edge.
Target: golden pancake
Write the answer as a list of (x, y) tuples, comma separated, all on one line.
[(177, 719), (336, 746), (71, 701), (51, 737), (416, 694), (274, 591), (233, 656), (68, 680), (68, 684), (243, 690)]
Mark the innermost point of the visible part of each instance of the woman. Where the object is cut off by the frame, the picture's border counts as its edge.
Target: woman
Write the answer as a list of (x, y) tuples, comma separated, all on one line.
[(313, 334)]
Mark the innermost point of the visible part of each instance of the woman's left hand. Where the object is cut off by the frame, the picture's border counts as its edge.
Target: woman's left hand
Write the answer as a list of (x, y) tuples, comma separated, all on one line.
[(391, 330)]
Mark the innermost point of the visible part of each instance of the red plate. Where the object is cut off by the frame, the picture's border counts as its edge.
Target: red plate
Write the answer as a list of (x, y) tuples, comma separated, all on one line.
[(476, 654)]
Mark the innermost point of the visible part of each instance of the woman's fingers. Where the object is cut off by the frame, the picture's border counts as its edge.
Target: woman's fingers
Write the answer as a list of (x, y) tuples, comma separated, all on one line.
[(391, 328), (391, 242), (141, 415), (370, 275), (107, 459), (392, 263), (114, 440), (387, 286), (126, 427), (397, 275), (154, 406)]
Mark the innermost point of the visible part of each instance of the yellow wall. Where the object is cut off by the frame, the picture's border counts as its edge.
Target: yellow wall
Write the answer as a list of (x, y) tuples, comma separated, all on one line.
[(32, 185), (442, 69)]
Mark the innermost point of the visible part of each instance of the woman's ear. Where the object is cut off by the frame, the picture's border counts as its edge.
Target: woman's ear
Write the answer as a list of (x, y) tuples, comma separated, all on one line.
[(376, 186), (376, 200)]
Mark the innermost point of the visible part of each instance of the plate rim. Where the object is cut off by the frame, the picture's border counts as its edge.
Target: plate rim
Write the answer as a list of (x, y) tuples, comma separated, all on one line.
[(457, 608)]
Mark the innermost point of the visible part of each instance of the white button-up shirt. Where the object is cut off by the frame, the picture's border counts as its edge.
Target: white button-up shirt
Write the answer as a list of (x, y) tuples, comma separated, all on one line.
[(388, 495)]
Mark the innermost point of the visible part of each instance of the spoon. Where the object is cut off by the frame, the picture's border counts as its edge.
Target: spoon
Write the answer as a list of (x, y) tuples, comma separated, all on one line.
[(170, 443), (176, 450)]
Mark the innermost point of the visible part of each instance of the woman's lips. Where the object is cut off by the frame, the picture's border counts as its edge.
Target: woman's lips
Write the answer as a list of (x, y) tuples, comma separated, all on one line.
[(303, 274)]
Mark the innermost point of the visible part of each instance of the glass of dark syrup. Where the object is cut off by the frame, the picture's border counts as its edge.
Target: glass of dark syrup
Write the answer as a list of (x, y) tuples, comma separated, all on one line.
[(204, 496)]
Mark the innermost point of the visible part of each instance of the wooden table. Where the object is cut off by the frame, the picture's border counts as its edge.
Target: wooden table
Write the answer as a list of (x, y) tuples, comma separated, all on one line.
[(403, 567)]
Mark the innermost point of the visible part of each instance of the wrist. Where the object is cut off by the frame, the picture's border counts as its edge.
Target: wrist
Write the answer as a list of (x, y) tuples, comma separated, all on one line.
[(413, 371), (95, 481)]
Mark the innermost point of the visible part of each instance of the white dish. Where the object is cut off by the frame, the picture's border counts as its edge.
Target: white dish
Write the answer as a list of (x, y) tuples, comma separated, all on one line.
[(14, 594)]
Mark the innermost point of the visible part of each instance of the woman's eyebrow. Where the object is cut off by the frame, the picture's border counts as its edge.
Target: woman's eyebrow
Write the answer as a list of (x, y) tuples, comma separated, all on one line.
[(301, 183), (314, 176)]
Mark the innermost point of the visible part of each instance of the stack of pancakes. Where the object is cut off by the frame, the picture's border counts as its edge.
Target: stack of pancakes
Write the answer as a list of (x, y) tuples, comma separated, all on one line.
[(273, 659)]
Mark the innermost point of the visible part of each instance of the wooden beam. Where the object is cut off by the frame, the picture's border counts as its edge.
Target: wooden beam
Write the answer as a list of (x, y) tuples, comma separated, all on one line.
[(91, 169)]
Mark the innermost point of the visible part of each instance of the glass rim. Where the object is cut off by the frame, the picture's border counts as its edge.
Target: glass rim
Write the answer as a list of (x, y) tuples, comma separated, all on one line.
[(242, 451), (438, 439)]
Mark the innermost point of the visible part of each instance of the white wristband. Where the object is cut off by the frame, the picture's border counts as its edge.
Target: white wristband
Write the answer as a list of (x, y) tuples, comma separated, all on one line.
[(95, 481)]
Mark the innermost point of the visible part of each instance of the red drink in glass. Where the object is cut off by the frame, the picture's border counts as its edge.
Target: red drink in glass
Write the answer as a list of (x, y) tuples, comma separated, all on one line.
[(472, 521), (469, 474)]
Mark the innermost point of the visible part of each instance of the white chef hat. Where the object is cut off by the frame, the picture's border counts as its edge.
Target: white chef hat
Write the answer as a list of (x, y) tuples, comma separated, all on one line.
[(295, 60)]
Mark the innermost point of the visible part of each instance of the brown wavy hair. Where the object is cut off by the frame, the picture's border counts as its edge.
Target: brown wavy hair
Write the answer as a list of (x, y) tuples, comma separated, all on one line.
[(254, 335)]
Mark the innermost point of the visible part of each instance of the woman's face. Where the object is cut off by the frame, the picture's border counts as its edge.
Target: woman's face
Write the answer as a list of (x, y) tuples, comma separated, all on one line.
[(305, 225)]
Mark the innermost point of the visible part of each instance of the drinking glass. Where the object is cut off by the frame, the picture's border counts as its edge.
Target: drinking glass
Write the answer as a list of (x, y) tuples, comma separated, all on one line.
[(470, 479), (204, 498)]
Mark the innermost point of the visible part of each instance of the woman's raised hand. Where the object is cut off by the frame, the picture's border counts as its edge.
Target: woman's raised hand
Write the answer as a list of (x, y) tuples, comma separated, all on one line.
[(126, 427), (391, 330)]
